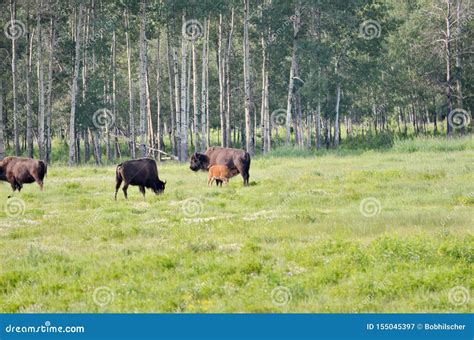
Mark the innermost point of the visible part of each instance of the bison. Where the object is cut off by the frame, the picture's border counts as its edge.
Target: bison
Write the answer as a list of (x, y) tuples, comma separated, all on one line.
[(18, 171), (238, 161), (219, 173), (142, 172)]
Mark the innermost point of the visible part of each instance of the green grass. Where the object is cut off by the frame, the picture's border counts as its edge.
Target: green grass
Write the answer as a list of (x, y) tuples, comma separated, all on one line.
[(297, 231)]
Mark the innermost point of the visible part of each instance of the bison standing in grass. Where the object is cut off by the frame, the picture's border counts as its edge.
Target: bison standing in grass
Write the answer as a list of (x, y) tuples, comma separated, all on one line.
[(18, 171), (238, 161), (142, 172)]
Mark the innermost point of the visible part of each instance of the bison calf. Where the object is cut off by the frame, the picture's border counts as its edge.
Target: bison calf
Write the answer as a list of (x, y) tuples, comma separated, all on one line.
[(219, 173), (18, 171), (141, 172)]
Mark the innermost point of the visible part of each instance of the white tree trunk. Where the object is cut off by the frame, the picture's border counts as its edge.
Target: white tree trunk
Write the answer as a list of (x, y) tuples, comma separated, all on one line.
[(177, 98), (296, 27), (131, 112), (29, 118), (204, 88), (183, 121), (142, 68), (72, 121), (336, 120), (49, 102), (16, 132), (159, 132), (195, 101), (171, 96), (220, 73), (249, 142), (228, 83), (39, 52)]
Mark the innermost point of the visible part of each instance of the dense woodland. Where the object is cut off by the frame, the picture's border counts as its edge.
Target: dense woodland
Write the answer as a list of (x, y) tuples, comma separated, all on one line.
[(97, 80)]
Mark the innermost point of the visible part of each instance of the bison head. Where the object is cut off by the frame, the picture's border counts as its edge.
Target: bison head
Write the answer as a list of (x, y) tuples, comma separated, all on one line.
[(199, 161), (160, 187)]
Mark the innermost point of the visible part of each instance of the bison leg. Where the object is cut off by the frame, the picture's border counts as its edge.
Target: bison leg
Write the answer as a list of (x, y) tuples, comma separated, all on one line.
[(117, 185), (209, 181), (125, 187), (142, 190), (218, 182)]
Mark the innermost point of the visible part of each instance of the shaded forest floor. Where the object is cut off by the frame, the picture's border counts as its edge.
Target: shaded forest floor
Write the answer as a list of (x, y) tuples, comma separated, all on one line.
[(364, 232)]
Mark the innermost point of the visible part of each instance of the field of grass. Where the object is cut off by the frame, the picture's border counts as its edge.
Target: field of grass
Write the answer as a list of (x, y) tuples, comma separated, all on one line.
[(387, 231)]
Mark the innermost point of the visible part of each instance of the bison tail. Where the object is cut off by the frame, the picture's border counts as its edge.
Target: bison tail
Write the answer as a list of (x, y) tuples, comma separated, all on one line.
[(118, 176), (247, 158), (42, 169)]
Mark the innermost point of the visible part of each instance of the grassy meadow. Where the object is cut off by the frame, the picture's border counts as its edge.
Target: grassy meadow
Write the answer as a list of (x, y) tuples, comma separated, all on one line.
[(354, 231)]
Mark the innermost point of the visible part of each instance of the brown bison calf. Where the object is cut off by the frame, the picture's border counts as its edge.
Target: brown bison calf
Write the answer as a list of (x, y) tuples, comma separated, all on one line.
[(219, 173), (142, 172), (18, 171)]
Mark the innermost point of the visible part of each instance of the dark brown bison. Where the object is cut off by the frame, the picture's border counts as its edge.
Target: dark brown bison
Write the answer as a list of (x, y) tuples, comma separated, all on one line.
[(142, 172), (18, 171), (238, 161)]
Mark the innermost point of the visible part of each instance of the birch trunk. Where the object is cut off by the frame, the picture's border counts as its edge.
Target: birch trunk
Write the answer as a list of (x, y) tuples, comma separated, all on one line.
[(131, 112), (220, 73), (117, 154), (49, 102), (16, 132), (142, 69), (183, 122), (29, 118), (159, 132), (336, 121), (296, 27), (448, 65), (177, 98), (196, 127), (171, 96), (204, 90), (228, 82), (249, 142), (39, 51), (72, 121)]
